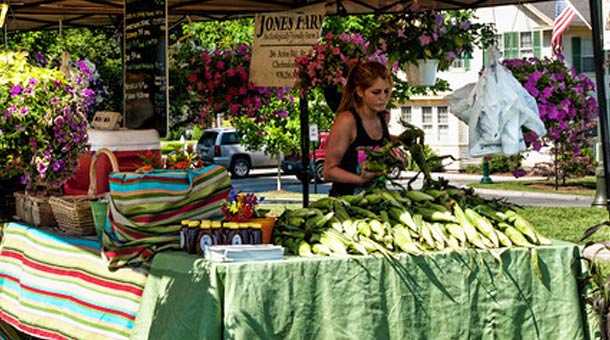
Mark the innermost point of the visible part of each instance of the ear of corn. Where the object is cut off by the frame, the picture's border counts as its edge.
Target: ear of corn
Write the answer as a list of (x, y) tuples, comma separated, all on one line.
[(385, 221)]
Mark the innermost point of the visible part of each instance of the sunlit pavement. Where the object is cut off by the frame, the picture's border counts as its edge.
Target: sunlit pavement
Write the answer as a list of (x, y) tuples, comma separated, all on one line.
[(267, 180)]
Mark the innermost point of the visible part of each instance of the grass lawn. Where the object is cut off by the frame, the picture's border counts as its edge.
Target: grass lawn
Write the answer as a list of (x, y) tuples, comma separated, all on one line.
[(567, 224), (577, 186)]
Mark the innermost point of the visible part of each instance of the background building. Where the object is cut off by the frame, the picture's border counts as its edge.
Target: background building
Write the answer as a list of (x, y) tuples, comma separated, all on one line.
[(523, 31)]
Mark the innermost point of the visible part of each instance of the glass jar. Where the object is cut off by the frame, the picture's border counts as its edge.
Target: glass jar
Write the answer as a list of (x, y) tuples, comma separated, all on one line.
[(191, 237), (233, 234), (205, 237), (256, 233), (218, 232)]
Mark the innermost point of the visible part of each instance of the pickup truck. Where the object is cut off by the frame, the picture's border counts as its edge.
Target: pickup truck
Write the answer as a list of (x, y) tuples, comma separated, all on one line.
[(292, 164)]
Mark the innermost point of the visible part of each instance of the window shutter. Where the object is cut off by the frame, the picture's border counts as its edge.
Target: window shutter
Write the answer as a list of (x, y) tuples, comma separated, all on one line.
[(537, 44), (576, 55), (466, 64), (511, 45), (484, 57)]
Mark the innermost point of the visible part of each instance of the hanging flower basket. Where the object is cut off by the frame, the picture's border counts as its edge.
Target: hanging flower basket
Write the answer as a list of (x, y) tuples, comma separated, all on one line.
[(423, 73)]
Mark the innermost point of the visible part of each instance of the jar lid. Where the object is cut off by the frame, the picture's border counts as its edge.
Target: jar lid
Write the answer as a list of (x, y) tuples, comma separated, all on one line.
[(255, 225), (216, 224), (193, 224), (231, 225)]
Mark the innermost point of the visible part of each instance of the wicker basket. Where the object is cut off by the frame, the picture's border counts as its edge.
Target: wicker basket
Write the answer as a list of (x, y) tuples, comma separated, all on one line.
[(34, 210), (73, 213)]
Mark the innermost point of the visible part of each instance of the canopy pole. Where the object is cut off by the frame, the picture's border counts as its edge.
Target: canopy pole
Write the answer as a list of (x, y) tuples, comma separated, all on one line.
[(599, 57), (304, 115)]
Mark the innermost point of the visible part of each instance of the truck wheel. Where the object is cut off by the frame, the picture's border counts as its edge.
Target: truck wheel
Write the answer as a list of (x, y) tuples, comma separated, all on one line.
[(318, 173), (240, 167)]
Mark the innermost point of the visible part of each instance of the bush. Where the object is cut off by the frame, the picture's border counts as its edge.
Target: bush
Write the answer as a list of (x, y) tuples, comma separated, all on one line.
[(504, 164)]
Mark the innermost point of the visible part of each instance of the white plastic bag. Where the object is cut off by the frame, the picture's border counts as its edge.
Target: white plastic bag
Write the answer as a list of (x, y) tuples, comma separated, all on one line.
[(495, 109)]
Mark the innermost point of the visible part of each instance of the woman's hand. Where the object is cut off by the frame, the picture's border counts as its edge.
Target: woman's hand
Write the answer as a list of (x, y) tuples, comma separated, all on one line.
[(367, 176)]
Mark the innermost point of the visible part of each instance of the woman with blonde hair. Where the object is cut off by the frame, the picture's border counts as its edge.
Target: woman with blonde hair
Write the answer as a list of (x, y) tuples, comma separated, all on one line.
[(362, 121)]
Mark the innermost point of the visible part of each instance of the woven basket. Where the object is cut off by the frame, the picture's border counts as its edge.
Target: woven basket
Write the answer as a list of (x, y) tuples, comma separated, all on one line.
[(73, 213), (34, 210)]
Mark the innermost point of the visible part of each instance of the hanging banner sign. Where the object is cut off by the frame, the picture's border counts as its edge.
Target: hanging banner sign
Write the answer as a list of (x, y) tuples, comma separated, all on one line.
[(278, 39), (606, 23)]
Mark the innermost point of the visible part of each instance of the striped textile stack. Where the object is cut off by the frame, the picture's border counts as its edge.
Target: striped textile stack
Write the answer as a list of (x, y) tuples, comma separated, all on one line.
[(145, 210), (58, 287)]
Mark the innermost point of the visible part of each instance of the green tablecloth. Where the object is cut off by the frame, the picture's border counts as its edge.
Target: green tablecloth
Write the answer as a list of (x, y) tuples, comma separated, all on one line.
[(446, 295)]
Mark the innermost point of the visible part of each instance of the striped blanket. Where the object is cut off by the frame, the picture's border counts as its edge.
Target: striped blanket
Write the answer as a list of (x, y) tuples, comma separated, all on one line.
[(145, 210), (57, 287)]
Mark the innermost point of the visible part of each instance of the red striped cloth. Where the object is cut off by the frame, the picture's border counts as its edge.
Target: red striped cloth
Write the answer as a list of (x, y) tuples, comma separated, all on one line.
[(58, 287), (145, 210)]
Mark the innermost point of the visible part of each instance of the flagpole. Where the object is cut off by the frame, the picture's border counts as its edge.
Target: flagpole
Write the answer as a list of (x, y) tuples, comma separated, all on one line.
[(598, 54)]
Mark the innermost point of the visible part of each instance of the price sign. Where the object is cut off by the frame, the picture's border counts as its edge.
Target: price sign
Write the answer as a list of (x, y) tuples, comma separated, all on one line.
[(313, 132)]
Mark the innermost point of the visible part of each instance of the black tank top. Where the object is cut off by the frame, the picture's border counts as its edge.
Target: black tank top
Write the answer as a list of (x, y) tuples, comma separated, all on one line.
[(350, 159)]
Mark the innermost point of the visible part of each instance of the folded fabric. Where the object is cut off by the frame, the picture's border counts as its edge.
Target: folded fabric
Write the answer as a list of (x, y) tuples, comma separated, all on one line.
[(145, 210)]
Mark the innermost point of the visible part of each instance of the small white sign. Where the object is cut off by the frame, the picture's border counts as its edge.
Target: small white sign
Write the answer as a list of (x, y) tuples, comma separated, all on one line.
[(313, 132)]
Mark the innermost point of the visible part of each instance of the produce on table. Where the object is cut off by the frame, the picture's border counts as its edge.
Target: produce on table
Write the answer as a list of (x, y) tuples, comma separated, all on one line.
[(399, 153), (385, 221)]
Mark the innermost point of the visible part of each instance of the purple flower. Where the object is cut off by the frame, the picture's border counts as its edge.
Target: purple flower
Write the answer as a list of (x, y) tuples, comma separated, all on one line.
[(42, 167), (15, 90), (518, 173), (24, 111)]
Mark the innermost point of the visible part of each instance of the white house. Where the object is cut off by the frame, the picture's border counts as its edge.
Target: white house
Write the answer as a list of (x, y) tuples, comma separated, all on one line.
[(523, 31)]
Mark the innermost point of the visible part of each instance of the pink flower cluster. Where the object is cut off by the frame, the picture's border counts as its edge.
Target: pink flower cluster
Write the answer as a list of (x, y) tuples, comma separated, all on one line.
[(220, 84), (330, 60)]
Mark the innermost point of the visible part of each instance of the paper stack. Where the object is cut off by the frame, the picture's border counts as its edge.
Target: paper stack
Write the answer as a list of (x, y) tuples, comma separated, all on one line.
[(243, 253)]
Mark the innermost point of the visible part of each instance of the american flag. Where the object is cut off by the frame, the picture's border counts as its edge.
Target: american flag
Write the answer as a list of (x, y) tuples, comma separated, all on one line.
[(564, 13)]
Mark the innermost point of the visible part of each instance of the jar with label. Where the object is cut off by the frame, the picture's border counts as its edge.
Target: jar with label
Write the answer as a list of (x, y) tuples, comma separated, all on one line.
[(183, 233), (205, 238), (233, 233), (256, 233), (191, 237), (244, 230), (218, 232)]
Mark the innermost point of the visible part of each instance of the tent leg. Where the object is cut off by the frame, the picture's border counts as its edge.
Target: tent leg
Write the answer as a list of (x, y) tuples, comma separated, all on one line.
[(304, 115), (599, 57)]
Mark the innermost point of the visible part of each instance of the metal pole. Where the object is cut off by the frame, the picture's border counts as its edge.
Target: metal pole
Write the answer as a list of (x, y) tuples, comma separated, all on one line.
[(600, 182), (486, 179), (304, 115), (598, 56)]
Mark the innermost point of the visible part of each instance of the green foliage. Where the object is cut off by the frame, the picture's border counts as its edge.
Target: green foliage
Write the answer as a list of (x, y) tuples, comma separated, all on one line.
[(277, 134), (101, 46), (434, 164), (504, 164), (567, 224)]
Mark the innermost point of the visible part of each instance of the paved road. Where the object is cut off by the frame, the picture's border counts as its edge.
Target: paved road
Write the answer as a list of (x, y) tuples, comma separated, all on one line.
[(266, 180)]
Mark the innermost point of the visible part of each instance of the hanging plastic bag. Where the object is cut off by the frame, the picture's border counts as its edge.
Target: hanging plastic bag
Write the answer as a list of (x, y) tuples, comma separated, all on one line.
[(495, 109)]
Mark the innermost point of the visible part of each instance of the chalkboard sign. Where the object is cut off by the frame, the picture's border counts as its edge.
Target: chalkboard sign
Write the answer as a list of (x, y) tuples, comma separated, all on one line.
[(145, 59)]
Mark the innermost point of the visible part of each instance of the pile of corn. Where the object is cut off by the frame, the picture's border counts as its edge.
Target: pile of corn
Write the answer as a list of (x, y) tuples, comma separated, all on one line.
[(410, 221)]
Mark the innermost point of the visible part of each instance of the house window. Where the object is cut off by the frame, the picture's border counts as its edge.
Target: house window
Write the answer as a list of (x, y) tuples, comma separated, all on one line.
[(526, 45), (442, 120), (405, 114), (547, 35), (522, 44), (426, 118), (586, 56)]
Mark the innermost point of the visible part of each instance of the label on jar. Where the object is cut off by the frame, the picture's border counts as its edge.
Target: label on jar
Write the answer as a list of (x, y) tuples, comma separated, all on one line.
[(236, 239), (205, 241), (182, 240)]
